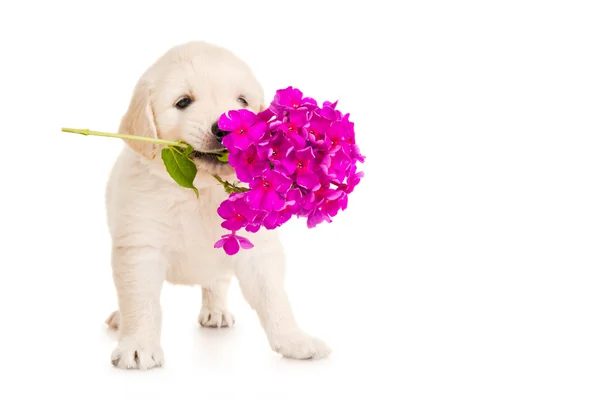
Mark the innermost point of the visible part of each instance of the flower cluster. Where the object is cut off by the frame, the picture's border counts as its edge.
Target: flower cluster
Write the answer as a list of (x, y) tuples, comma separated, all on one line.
[(298, 158)]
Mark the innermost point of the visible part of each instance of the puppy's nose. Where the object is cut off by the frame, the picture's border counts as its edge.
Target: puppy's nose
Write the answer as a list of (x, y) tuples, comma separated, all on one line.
[(218, 132)]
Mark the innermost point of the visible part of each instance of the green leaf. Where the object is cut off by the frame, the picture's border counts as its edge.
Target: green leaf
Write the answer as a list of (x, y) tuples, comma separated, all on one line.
[(224, 157), (180, 166)]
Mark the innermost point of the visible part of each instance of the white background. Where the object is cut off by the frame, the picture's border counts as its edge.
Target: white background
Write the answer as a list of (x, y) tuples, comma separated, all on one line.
[(467, 263)]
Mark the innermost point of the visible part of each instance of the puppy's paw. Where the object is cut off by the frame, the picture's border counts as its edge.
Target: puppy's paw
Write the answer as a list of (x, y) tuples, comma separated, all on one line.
[(131, 354), (215, 318), (113, 320), (299, 345)]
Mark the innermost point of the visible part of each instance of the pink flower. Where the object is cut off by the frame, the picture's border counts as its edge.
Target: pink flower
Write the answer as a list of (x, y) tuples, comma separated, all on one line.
[(316, 132), (328, 111), (352, 180), (333, 204), (276, 148), (302, 163), (292, 205), (299, 160), (335, 165), (248, 163), (231, 243), (340, 137), (236, 212), (265, 115), (267, 191), (291, 99), (316, 216), (293, 128), (244, 129), (256, 223)]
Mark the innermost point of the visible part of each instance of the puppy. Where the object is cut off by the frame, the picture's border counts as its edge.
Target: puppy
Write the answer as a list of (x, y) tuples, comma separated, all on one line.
[(161, 231)]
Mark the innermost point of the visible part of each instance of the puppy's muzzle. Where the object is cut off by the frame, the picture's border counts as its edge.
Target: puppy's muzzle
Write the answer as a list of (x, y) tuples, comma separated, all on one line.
[(218, 132)]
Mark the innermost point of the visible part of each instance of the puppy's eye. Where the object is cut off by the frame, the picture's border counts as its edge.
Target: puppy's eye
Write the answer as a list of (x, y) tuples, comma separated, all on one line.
[(243, 101), (183, 103)]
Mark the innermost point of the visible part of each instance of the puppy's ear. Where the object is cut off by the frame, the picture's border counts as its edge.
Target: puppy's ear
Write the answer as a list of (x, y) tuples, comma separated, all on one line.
[(139, 121)]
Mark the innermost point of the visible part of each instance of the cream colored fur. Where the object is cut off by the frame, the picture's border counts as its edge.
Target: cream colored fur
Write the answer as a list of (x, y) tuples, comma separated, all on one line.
[(162, 232)]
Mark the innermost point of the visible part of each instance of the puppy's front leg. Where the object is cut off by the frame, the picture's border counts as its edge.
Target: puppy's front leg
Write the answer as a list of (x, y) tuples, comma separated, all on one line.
[(261, 280), (138, 274)]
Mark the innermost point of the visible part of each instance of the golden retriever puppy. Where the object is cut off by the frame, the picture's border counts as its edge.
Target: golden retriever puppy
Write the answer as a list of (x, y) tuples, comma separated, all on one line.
[(161, 231)]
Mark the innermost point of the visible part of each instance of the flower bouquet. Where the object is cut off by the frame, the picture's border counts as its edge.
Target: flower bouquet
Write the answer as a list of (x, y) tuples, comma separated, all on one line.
[(295, 158)]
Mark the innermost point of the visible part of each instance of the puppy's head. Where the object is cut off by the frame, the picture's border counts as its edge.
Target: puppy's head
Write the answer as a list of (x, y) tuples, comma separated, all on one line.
[(182, 95)]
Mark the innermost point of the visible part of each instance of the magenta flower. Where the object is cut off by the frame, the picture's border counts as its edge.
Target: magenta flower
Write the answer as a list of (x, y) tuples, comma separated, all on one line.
[(267, 191), (335, 165), (335, 203), (255, 224), (244, 129), (294, 128), (329, 112), (302, 163), (316, 216), (275, 219), (236, 213), (316, 132), (291, 99), (299, 160), (292, 205), (231, 243), (294, 201), (340, 137), (265, 115), (248, 163), (353, 180), (355, 153), (276, 148)]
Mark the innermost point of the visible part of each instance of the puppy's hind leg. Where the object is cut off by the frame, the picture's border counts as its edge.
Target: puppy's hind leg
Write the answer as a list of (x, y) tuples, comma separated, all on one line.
[(214, 313), (138, 274)]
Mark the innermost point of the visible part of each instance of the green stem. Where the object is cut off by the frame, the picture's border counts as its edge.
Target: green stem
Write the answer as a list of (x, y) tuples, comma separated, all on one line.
[(229, 187), (181, 143), (87, 132)]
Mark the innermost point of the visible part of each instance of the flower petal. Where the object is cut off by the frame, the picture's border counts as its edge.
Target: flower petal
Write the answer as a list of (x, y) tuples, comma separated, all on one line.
[(256, 131), (234, 224), (229, 121), (333, 194), (288, 164), (298, 118), (272, 201), (243, 174), (280, 181), (229, 143), (270, 221), (254, 198), (306, 154), (247, 117), (308, 180), (315, 218), (253, 227), (264, 115), (297, 140), (245, 243), (258, 168), (225, 210), (231, 245), (241, 142)]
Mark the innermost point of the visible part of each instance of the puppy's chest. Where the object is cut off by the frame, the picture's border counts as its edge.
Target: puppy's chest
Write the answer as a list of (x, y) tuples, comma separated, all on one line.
[(200, 227)]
